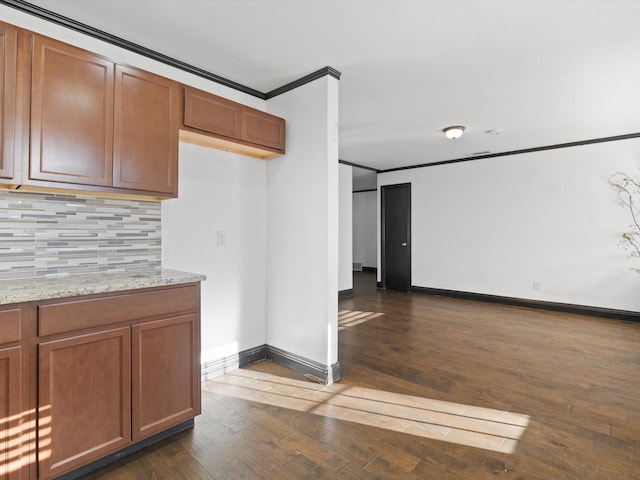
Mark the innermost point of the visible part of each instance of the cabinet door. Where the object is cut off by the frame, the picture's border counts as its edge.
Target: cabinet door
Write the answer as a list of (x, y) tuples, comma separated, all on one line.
[(262, 128), (71, 115), (147, 119), (84, 409), (166, 374), (11, 435), (8, 52), (211, 113)]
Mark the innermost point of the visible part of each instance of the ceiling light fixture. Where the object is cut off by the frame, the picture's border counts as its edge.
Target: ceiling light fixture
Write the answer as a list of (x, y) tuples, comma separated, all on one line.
[(453, 132)]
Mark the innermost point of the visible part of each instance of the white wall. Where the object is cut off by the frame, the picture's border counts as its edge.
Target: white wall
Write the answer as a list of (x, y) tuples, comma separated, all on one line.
[(541, 226), (302, 225), (364, 179), (345, 262), (365, 239), (221, 192)]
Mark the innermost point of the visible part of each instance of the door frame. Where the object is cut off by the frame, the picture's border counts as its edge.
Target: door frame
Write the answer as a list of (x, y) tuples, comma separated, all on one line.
[(383, 266)]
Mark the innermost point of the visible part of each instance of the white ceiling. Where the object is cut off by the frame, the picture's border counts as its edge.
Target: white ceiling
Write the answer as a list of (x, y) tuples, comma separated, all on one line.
[(545, 72)]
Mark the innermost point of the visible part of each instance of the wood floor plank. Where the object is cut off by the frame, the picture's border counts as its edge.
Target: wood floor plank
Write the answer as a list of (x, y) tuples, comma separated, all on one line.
[(318, 454)]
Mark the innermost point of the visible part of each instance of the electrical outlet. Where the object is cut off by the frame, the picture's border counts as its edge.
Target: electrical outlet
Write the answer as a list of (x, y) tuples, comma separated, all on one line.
[(536, 285), (221, 238)]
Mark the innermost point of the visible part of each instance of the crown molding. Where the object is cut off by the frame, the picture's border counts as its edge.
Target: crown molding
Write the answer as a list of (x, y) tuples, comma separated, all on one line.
[(323, 72), (364, 167), (580, 143), (80, 27)]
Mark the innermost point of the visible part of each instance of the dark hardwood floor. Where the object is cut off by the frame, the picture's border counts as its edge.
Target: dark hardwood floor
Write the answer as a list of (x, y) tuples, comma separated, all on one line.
[(577, 378)]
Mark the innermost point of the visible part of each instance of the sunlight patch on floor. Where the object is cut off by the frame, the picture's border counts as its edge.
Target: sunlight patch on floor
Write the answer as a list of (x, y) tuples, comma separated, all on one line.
[(472, 426), (351, 318)]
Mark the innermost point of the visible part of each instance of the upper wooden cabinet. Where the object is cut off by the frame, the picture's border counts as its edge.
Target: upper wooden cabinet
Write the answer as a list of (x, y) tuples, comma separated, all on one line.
[(8, 67), (72, 119), (211, 113), (263, 129), (96, 123), (147, 120), (72, 94), (220, 123)]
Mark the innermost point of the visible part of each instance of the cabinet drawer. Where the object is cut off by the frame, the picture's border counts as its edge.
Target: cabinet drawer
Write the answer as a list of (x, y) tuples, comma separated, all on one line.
[(95, 312), (10, 325)]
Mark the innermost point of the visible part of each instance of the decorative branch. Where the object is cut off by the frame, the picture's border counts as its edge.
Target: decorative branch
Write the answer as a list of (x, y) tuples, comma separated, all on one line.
[(628, 191)]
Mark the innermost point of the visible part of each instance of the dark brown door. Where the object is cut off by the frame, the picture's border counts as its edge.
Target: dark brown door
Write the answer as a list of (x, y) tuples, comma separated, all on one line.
[(396, 237), (147, 119), (8, 51), (84, 399), (71, 115), (166, 374)]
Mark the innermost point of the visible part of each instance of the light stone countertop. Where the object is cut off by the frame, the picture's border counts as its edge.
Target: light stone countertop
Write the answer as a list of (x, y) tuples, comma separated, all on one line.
[(30, 289)]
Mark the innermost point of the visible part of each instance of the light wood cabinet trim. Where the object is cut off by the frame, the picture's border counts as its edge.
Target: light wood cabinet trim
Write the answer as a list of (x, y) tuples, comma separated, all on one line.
[(73, 315), (10, 325), (107, 192), (226, 145)]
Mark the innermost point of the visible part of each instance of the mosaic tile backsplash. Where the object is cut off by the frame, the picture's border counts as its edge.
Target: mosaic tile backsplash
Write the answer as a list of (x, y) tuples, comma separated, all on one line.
[(54, 235)]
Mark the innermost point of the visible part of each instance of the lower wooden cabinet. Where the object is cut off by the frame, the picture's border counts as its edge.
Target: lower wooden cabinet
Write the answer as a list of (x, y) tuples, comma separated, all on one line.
[(11, 459), (114, 370), (166, 374), (84, 378), (84, 410), (16, 421)]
